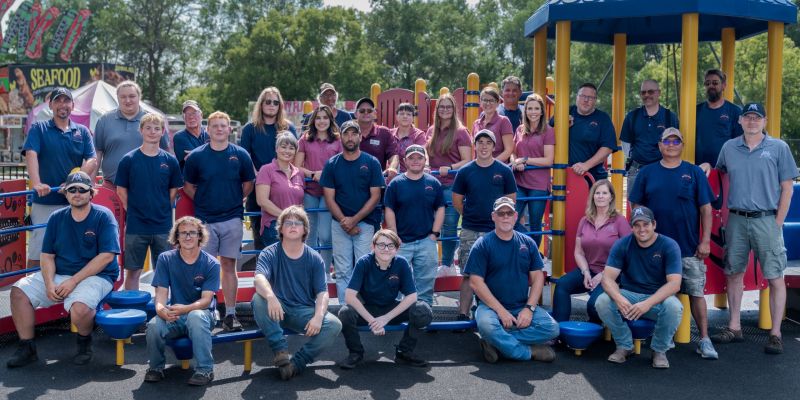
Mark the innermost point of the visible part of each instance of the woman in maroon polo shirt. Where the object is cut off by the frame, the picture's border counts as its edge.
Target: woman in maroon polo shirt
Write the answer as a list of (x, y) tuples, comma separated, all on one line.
[(500, 125), (279, 185)]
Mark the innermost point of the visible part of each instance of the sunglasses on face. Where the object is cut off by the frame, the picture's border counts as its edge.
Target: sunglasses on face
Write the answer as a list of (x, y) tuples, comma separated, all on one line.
[(74, 190), (272, 102), (671, 142), (188, 234), (385, 246), (648, 92), (365, 110), (504, 214), (291, 223)]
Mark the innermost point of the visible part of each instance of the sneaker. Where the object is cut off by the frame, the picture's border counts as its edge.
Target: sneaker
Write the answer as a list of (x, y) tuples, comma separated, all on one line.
[(620, 355), (281, 358), (153, 375), (706, 350), (231, 324), (660, 360), (25, 354), (543, 353), (351, 361), (461, 317), (774, 345), (727, 335), (409, 358), (85, 352), (201, 378), (288, 371), (489, 352)]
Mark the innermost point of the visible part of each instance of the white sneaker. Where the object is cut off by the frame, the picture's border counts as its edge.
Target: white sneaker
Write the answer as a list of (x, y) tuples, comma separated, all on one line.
[(706, 349)]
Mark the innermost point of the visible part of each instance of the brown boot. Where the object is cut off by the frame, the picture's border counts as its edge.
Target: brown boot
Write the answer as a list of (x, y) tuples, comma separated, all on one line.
[(281, 358)]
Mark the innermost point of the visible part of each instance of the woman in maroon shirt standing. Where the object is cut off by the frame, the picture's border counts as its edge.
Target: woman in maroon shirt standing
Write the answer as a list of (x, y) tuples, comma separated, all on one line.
[(597, 231)]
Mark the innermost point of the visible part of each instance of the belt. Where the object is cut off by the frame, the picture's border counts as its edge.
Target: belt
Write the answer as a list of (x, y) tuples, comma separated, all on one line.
[(753, 214)]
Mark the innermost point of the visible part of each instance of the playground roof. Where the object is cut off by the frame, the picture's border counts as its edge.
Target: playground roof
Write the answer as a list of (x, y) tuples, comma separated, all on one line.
[(658, 21)]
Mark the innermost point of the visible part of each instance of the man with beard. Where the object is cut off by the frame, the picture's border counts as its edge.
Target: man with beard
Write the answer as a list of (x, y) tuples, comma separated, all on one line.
[(717, 121), (193, 136)]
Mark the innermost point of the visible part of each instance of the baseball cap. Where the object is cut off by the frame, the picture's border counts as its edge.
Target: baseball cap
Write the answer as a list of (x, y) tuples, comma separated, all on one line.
[(754, 108), (325, 87), (350, 125), (671, 132), (365, 100), (60, 91), (504, 202), (485, 133), (642, 213), (415, 149), (190, 103), (80, 179)]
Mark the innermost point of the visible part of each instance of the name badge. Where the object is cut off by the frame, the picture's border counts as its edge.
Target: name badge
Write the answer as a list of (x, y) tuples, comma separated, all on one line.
[(375, 142)]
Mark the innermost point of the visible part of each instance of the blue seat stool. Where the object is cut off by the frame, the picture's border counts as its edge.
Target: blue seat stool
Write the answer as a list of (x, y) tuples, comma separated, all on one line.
[(182, 347), (150, 309), (120, 324), (130, 299), (641, 329), (579, 335)]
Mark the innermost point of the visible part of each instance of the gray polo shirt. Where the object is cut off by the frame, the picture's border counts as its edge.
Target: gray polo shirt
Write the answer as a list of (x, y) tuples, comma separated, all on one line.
[(756, 176), (115, 136)]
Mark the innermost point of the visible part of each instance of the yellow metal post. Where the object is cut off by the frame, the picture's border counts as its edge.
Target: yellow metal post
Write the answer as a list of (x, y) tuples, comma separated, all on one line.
[(443, 91), (689, 84), (120, 352), (540, 61), (764, 313), (473, 99), (774, 75), (308, 107), (374, 92), (684, 333), (248, 355), (728, 60), (420, 86), (147, 261), (184, 364), (618, 110), (562, 141), (637, 346)]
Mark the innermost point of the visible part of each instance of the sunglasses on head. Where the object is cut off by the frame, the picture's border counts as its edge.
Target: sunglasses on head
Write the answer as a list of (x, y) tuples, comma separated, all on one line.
[(75, 189), (272, 102)]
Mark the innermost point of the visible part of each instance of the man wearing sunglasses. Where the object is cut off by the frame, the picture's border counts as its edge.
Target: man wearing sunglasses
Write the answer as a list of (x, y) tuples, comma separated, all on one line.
[(377, 140), (642, 128), (505, 271), (680, 197), (717, 121), (79, 266)]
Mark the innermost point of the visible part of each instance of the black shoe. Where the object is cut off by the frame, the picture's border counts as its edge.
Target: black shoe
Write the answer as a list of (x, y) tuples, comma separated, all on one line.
[(409, 358), (85, 353), (461, 317), (490, 353), (154, 375), (201, 378), (25, 354), (231, 324), (351, 361), (287, 372)]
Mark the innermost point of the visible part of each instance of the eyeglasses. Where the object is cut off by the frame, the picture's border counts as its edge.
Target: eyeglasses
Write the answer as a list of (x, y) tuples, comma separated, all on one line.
[(712, 83), (271, 103), (488, 101), (74, 190), (752, 118), (504, 214), (671, 142), (385, 246), (188, 234), (290, 223), (365, 110), (649, 92), (587, 98), (443, 107)]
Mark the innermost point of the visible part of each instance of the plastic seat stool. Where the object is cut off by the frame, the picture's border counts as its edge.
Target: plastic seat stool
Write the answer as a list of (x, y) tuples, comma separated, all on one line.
[(579, 335), (120, 324), (182, 347), (641, 329), (130, 299)]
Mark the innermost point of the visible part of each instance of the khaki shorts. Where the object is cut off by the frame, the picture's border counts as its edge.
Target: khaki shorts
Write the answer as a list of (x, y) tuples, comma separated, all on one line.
[(693, 281), (760, 235), (90, 291), (467, 238)]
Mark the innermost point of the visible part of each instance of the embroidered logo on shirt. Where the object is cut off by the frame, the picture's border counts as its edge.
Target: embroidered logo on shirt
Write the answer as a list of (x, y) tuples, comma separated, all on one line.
[(393, 277), (686, 177), (233, 158), (164, 166), (364, 167), (497, 179), (765, 154), (657, 257), (375, 142), (724, 117), (77, 135), (199, 280), (89, 234), (594, 124), (428, 188)]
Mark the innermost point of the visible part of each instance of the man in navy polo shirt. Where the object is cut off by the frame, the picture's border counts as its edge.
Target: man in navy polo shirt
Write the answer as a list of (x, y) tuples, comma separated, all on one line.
[(218, 176), (717, 121), (415, 211), (501, 265), (148, 179), (680, 197), (648, 268), (193, 136), (352, 181), (512, 90), (477, 185), (79, 266), (378, 280), (377, 140), (52, 150)]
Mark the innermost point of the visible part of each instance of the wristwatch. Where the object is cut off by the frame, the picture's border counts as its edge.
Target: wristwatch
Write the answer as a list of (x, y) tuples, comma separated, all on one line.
[(530, 307), (434, 233)]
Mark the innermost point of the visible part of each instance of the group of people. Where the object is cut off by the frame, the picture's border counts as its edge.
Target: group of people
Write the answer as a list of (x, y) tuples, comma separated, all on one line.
[(366, 177)]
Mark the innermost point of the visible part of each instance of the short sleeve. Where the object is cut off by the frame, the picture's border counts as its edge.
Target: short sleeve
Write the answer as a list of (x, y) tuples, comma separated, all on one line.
[(623, 226), (549, 136), (510, 184), (673, 258), (357, 279), (327, 179), (478, 258), (704, 193), (609, 138), (460, 182), (787, 167), (246, 140), (636, 195), (318, 275), (247, 171), (439, 201), (164, 143), (616, 257), (721, 163), (505, 126), (34, 139), (463, 139), (301, 145), (50, 234), (175, 179), (108, 235), (391, 147), (376, 172), (161, 274), (263, 177), (212, 283), (536, 263), (264, 262), (407, 285), (389, 197), (88, 145), (100, 134), (626, 133), (581, 225), (191, 172), (123, 172)]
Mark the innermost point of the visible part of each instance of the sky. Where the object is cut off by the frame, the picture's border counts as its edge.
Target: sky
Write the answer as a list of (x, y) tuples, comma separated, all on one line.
[(363, 5)]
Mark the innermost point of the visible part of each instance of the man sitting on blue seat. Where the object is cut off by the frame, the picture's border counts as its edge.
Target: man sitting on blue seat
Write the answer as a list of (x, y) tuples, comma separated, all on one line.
[(291, 292), (378, 278), (190, 277), (500, 267), (648, 266)]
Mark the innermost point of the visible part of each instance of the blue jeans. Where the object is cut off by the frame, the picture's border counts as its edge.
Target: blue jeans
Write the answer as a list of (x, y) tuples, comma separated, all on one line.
[(449, 228), (569, 284), (196, 324), (535, 210), (295, 318), (515, 343), (667, 316), (346, 251), (269, 235), (319, 233), (422, 255)]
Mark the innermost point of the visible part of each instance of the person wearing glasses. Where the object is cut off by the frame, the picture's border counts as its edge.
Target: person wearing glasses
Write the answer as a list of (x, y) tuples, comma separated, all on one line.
[(79, 267), (328, 97), (505, 271), (377, 140), (189, 278), (592, 137), (279, 184), (680, 197), (500, 125), (292, 293), (761, 170), (642, 127), (148, 179), (191, 137), (379, 279), (717, 121)]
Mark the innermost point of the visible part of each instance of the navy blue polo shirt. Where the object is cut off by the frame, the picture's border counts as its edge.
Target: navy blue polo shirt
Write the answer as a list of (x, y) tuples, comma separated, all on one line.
[(380, 287), (58, 153), (643, 132), (218, 176), (644, 269), (260, 143), (587, 135), (505, 266), (148, 181), (74, 243), (352, 181), (414, 203), (714, 128), (184, 142), (187, 282), (295, 282), (675, 196), (515, 116), (481, 186)]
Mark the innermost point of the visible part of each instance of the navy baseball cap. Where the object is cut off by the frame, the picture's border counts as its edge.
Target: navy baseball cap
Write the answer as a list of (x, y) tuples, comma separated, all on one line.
[(60, 91), (365, 100), (80, 179), (350, 125), (642, 213), (754, 108)]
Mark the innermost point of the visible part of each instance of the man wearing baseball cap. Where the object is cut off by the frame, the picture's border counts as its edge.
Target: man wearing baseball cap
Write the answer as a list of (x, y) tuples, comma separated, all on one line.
[(377, 140), (500, 267), (680, 197), (328, 96), (648, 268), (414, 209), (760, 169), (79, 266), (193, 135), (717, 121)]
